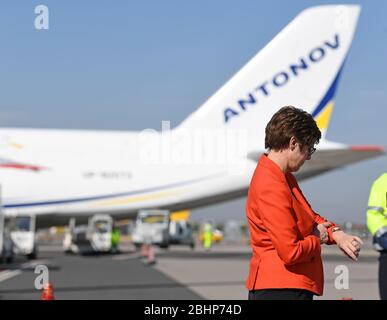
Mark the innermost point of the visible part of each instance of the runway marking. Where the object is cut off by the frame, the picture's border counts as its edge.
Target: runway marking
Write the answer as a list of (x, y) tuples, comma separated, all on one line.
[(8, 274)]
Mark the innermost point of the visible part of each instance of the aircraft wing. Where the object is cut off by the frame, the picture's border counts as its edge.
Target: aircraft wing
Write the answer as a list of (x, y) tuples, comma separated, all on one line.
[(330, 159)]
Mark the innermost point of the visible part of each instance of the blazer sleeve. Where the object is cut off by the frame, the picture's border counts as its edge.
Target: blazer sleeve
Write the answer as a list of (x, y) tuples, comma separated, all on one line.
[(317, 218), (274, 206)]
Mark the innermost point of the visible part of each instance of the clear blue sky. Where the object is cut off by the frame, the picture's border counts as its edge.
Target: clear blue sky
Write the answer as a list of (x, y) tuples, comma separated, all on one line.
[(129, 65)]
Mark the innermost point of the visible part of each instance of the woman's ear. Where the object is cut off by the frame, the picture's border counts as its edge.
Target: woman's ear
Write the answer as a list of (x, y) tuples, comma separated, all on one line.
[(292, 143)]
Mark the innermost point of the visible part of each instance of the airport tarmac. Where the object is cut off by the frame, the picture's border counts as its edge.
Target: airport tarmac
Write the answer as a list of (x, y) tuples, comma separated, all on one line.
[(180, 273)]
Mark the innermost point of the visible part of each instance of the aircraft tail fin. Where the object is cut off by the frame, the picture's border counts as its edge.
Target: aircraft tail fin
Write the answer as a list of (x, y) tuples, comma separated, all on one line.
[(301, 66)]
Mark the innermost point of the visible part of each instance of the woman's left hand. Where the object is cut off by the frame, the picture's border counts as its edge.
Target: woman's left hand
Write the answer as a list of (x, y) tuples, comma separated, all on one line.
[(349, 244)]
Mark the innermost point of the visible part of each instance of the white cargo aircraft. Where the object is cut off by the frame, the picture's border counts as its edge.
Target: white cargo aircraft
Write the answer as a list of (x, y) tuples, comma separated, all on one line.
[(210, 157)]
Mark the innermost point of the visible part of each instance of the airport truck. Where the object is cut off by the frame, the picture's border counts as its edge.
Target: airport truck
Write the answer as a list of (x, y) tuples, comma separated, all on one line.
[(6, 244), (152, 227), (95, 237), (6, 247), (162, 228), (181, 233), (23, 235)]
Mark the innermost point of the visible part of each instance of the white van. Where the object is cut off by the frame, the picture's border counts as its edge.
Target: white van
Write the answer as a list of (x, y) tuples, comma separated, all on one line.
[(23, 235), (152, 227), (95, 237)]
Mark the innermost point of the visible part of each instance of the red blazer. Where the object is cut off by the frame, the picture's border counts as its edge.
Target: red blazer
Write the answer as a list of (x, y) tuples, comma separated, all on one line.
[(281, 221)]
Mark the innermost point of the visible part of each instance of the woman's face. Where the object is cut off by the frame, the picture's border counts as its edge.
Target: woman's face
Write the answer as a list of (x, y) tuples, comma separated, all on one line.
[(297, 156)]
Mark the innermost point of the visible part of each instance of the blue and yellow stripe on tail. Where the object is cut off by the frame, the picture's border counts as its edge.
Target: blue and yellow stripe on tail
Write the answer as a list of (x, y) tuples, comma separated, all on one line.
[(322, 113)]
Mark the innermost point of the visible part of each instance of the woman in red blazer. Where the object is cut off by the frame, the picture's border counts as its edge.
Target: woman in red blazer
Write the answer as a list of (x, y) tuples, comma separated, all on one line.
[(286, 234)]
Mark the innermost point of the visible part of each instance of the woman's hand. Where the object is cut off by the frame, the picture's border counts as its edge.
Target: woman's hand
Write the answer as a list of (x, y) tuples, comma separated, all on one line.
[(321, 232), (349, 244)]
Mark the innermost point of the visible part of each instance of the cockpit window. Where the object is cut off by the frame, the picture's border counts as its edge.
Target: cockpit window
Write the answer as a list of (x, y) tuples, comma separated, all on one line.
[(153, 219), (101, 227), (23, 223)]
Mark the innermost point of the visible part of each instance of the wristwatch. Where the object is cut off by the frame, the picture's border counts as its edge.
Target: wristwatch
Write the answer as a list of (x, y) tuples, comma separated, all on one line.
[(334, 229)]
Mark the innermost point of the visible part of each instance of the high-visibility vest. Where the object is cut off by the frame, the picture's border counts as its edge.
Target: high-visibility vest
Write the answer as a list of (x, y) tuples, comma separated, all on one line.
[(377, 207), (115, 237)]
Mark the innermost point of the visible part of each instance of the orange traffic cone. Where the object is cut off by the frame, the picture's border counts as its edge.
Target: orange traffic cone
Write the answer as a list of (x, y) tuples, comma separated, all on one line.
[(48, 292)]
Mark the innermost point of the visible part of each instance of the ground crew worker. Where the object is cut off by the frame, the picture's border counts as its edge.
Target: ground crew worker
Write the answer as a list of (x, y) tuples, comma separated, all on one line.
[(115, 239), (377, 224), (207, 236), (147, 249)]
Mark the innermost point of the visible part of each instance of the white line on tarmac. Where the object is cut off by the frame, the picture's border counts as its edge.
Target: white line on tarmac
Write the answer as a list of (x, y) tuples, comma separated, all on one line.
[(8, 274)]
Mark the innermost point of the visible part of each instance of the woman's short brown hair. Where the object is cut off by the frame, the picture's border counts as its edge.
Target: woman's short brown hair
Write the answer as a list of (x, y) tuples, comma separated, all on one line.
[(291, 122)]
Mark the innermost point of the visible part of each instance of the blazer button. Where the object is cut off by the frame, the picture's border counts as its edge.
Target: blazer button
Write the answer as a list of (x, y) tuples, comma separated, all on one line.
[(312, 259)]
